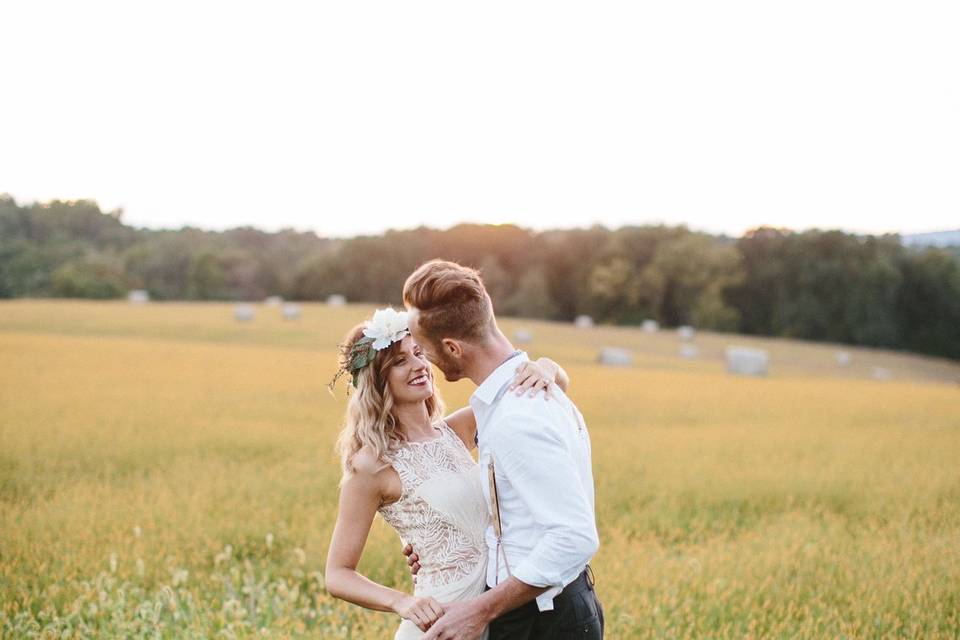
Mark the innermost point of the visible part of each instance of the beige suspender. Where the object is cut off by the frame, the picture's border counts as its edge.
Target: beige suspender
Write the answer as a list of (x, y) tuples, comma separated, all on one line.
[(497, 527)]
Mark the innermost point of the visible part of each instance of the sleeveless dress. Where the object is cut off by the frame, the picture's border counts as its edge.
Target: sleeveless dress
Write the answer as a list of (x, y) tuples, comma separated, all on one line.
[(443, 514)]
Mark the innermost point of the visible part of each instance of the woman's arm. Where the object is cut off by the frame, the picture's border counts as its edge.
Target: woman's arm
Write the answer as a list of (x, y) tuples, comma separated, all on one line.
[(540, 374), (360, 497), (561, 377), (464, 423)]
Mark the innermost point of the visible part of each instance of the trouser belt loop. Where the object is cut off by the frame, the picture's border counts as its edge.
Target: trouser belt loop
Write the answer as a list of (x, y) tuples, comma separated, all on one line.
[(581, 583), (591, 579)]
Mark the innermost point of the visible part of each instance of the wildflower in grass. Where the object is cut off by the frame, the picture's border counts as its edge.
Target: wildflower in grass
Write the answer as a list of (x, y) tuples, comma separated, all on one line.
[(180, 577)]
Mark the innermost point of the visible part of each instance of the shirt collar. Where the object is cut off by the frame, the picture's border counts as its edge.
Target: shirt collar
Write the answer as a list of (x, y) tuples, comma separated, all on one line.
[(493, 383)]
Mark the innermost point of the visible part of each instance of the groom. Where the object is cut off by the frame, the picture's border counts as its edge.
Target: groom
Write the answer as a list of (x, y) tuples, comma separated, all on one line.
[(535, 460)]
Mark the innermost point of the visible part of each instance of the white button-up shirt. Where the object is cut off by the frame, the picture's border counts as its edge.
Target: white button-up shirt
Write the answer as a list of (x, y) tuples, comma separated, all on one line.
[(541, 452)]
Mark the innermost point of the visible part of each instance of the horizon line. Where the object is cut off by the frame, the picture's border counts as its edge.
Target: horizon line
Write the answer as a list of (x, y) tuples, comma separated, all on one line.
[(120, 212)]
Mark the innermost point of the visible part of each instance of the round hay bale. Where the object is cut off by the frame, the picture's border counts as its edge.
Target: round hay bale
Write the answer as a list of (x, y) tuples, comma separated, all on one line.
[(244, 312), (138, 296), (880, 373), (522, 336), (689, 351), (615, 357), (583, 322), (745, 361)]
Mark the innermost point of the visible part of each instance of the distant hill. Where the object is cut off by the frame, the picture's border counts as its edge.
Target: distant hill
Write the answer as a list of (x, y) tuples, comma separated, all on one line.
[(935, 239)]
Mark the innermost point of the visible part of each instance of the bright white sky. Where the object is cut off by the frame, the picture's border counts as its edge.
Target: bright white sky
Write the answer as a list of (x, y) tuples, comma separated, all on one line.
[(354, 117)]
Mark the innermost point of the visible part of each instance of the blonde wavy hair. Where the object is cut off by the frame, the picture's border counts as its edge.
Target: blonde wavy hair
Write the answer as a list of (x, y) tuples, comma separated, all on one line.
[(369, 418)]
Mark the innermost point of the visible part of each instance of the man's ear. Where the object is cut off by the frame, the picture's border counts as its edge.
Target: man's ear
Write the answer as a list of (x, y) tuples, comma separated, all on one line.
[(452, 347)]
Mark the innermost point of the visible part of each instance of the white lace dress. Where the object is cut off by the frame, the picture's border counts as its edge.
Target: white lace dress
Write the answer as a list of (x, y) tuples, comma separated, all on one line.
[(442, 513)]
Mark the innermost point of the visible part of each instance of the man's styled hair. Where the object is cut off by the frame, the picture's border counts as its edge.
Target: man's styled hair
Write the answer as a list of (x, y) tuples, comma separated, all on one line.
[(451, 300)]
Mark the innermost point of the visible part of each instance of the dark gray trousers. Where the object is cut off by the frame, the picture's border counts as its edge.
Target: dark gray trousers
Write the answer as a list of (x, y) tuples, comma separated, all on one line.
[(576, 613)]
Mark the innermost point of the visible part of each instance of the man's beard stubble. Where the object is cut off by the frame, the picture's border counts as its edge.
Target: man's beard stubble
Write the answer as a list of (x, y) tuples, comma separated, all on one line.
[(448, 366)]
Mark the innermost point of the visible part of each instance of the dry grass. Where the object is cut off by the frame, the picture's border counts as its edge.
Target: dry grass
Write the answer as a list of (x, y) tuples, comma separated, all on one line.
[(167, 472)]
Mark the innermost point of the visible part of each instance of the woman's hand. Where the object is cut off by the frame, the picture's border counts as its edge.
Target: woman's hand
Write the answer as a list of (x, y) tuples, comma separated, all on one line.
[(534, 376), (421, 611)]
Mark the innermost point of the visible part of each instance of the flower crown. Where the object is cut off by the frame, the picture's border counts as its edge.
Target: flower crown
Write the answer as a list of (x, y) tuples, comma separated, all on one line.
[(386, 327)]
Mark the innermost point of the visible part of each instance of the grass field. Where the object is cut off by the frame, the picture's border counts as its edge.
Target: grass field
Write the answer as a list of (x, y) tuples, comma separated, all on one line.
[(167, 472)]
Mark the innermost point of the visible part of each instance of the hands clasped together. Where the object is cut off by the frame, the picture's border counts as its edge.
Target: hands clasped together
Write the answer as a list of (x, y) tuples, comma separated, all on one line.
[(461, 621), (422, 611)]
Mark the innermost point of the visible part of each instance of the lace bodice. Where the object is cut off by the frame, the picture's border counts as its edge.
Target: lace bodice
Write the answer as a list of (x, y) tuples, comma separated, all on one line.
[(441, 510)]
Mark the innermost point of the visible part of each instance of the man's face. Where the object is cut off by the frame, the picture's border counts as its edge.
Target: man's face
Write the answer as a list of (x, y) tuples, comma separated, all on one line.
[(434, 351)]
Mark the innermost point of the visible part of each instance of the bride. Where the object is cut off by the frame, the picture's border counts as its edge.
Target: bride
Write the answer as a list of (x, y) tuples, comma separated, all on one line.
[(402, 459)]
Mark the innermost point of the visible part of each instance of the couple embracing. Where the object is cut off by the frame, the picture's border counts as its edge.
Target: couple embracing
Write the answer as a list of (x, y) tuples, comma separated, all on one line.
[(502, 545)]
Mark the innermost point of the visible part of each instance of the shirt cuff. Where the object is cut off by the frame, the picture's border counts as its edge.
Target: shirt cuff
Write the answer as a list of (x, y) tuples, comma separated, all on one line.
[(545, 599), (529, 574)]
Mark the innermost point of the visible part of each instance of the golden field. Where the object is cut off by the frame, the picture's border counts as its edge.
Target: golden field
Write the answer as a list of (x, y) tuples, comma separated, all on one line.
[(168, 472)]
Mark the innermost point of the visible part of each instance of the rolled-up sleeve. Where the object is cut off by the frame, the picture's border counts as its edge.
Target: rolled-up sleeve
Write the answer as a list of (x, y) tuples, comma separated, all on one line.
[(531, 454)]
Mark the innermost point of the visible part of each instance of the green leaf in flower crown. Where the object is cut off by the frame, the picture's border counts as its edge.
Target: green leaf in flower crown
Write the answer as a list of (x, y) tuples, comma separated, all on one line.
[(361, 345), (361, 356), (358, 362)]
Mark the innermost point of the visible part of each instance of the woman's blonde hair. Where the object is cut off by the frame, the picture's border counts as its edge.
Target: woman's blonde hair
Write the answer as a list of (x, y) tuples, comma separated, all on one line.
[(369, 419)]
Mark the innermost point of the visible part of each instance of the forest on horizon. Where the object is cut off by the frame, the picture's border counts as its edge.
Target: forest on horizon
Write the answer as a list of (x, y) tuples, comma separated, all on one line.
[(824, 285)]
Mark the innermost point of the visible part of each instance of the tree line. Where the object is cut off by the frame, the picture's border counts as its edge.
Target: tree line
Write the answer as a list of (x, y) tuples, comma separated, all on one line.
[(817, 285)]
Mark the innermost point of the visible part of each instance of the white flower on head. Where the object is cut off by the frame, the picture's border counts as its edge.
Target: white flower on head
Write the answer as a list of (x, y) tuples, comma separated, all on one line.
[(386, 326)]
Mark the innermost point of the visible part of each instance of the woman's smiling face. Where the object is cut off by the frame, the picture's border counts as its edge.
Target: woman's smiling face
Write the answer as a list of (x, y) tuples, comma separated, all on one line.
[(410, 378)]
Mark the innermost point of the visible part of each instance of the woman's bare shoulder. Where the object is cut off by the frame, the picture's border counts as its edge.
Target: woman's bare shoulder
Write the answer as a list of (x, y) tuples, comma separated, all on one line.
[(365, 462), (376, 475)]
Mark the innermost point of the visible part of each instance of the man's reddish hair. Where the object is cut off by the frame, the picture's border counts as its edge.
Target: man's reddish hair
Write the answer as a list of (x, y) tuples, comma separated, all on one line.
[(451, 300)]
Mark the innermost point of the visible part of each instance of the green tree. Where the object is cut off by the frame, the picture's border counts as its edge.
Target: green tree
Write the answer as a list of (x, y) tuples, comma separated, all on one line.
[(697, 270), (928, 303), (206, 278), (531, 298), (94, 276)]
